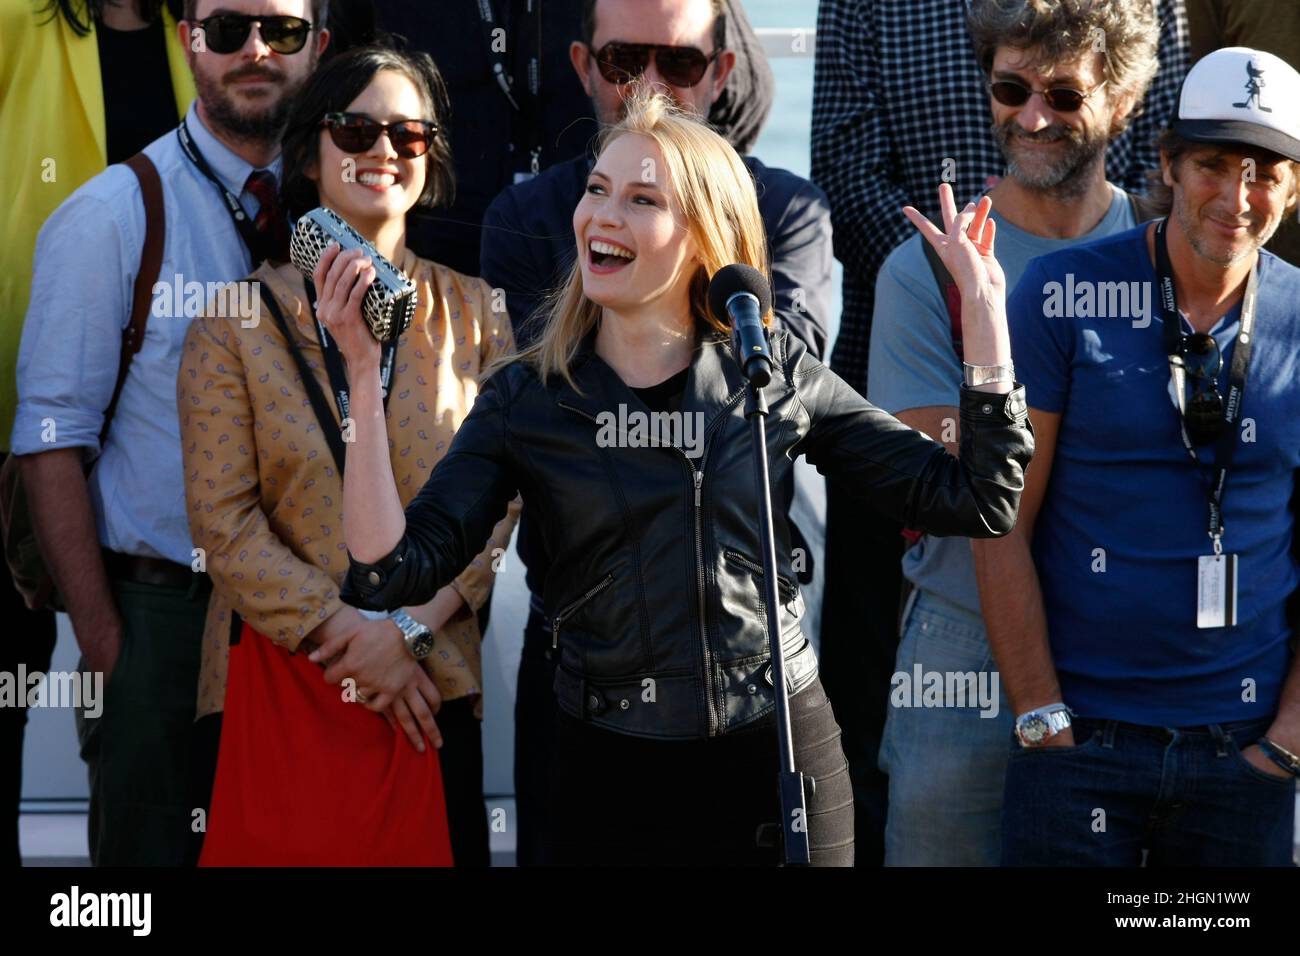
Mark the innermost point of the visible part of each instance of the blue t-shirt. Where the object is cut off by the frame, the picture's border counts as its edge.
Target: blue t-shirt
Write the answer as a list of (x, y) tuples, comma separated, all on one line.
[(1125, 515), (913, 365)]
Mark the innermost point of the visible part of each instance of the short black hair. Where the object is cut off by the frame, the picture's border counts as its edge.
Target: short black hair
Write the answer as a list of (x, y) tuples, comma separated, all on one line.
[(719, 22), (331, 88)]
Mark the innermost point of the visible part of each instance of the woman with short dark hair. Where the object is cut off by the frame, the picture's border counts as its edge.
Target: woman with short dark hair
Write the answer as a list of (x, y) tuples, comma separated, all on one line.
[(306, 774)]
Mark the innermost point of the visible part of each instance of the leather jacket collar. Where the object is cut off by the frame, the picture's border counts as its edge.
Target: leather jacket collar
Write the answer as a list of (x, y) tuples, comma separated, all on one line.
[(712, 387)]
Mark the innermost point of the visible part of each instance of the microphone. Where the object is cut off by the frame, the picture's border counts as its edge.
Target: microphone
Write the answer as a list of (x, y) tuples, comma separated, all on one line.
[(743, 294)]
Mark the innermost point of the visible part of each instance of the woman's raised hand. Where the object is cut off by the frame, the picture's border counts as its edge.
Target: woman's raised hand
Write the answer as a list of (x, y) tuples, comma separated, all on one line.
[(342, 279), (965, 244), (966, 248)]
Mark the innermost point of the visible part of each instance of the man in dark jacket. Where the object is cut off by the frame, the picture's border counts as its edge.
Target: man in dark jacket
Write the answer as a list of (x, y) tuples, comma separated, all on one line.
[(528, 248), (516, 107)]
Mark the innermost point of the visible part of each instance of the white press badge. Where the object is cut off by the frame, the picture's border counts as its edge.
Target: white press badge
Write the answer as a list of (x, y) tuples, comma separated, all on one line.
[(1216, 590)]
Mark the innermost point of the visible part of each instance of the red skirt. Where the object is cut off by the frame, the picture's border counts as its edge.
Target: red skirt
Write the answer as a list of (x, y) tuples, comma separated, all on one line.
[(305, 778)]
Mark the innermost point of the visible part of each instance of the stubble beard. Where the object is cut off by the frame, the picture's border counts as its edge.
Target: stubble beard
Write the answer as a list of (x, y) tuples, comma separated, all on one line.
[(260, 124), (1201, 243)]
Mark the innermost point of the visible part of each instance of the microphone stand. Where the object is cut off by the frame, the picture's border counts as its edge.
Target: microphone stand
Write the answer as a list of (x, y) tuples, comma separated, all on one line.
[(794, 810)]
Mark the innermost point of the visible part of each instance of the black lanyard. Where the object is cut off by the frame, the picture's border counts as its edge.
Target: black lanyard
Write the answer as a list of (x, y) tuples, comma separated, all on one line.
[(243, 225), (1236, 376), (504, 76), (334, 361)]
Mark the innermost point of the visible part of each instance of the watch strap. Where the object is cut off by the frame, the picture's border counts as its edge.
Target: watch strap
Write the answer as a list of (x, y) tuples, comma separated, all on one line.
[(412, 630), (987, 374), (1056, 716), (1281, 756)]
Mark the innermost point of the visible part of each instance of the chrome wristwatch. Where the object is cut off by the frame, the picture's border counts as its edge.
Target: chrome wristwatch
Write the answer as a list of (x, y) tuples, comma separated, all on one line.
[(418, 637), (1281, 756), (1037, 726), (988, 374)]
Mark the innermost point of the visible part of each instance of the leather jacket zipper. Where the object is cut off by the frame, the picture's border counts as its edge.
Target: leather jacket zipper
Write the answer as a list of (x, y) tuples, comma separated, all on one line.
[(711, 707), (712, 695), (568, 612), (781, 583)]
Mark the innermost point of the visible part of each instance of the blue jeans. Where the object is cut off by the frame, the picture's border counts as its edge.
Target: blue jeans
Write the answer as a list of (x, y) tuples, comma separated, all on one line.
[(1185, 795), (946, 764)]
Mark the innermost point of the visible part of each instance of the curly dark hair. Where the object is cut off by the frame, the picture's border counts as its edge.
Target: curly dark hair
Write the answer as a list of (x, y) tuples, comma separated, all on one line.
[(336, 84), (1126, 32)]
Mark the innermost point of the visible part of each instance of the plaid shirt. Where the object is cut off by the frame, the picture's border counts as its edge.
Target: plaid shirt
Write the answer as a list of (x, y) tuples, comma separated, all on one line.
[(899, 99)]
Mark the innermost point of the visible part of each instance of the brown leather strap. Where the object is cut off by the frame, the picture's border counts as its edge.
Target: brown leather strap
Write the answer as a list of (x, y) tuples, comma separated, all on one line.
[(155, 231)]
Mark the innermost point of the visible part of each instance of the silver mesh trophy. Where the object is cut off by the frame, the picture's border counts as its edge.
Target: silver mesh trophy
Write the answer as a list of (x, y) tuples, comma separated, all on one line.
[(389, 303)]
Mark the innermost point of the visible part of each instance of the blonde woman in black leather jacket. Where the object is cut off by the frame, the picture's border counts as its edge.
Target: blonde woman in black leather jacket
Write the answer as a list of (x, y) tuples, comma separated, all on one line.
[(665, 748)]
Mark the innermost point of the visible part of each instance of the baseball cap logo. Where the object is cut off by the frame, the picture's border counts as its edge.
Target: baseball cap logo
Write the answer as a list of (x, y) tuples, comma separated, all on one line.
[(1254, 83), (1207, 112)]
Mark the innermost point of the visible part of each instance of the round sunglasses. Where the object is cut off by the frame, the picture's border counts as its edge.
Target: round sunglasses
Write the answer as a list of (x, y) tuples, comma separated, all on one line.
[(228, 32), (1061, 99), (681, 66), (356, 133), (1200, 356)]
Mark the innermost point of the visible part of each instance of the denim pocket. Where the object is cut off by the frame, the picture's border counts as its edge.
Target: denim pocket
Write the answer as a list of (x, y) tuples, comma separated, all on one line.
[(943, 641), (1251, 770), (1091, 743)]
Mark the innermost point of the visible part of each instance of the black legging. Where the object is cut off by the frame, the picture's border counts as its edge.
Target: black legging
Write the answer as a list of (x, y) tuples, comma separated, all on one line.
[(621, 800)]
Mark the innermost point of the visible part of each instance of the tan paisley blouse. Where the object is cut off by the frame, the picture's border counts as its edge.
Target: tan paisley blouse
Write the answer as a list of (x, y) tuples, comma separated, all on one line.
[(262, 491)]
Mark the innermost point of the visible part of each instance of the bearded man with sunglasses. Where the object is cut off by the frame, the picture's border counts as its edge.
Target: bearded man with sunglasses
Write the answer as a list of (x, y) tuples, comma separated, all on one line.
[(1057, 104), (116, 540), (677, 46), (1145, 644)]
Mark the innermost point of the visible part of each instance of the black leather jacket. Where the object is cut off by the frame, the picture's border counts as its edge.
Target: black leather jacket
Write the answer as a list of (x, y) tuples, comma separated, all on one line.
[(655, 594)]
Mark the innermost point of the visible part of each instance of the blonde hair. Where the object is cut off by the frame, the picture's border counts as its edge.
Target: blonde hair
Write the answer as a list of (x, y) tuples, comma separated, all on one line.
[(716, 193)]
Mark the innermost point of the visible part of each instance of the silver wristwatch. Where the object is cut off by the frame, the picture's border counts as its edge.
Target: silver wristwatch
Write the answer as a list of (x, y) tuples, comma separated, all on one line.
[(418, 637), (1037, 726), (988, 374)]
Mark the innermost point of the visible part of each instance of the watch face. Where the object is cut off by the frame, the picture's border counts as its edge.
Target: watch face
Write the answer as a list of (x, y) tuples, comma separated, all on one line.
[(422, 644), (1034, 730)]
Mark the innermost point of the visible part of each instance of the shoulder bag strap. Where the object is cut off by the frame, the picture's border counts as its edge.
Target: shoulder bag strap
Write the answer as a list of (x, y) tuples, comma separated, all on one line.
[(155, 232), (320, 405)]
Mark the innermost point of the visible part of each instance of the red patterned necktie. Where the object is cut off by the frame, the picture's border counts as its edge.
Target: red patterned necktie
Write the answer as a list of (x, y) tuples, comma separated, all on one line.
[(271, 226)]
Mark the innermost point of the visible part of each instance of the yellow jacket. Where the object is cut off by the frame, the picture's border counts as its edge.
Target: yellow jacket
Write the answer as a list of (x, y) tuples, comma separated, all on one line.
[(52, 139)]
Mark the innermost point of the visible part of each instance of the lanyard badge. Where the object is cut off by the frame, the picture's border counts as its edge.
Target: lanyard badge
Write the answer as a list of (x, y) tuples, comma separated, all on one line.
[(1216, 574)]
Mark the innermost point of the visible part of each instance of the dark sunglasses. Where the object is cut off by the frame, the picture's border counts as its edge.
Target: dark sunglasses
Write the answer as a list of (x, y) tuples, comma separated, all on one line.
[(1203, 416), (356, 133), (621, 63), (1060, 99), (228, 32)]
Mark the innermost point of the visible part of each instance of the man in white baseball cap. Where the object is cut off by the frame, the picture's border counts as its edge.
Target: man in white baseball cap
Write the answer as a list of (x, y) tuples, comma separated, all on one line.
[(1239, 95), (1146, 645)]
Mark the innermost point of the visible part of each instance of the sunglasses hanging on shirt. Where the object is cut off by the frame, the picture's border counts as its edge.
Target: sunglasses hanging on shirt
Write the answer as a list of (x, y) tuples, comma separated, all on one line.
[(1200, 360), (1208, 418)]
